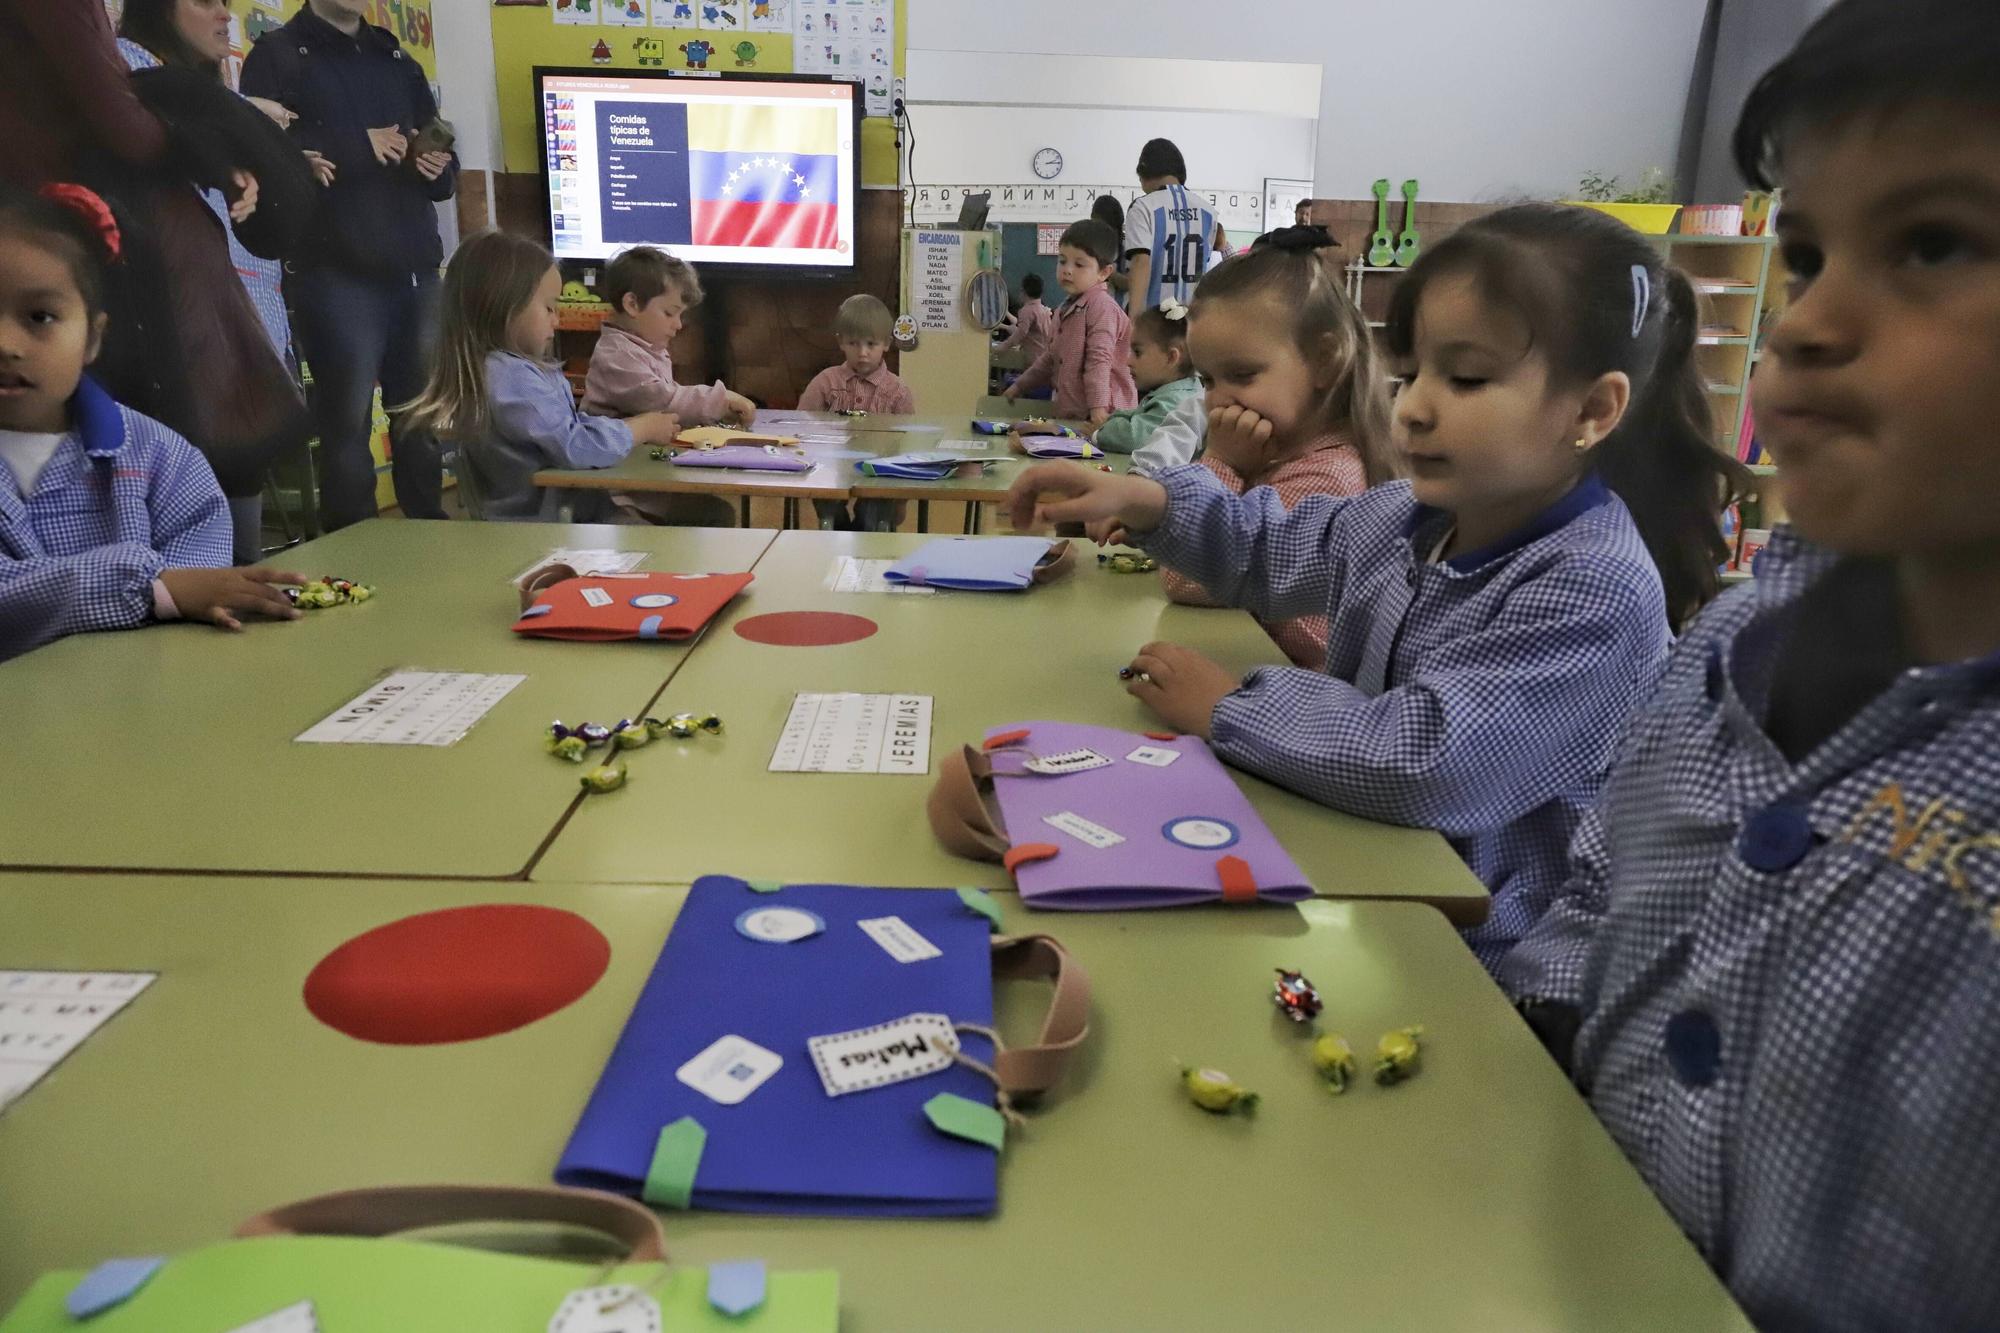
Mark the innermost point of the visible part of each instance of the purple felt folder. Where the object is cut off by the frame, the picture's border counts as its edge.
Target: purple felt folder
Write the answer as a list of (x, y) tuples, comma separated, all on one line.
[(1099, 819), (744, 457)]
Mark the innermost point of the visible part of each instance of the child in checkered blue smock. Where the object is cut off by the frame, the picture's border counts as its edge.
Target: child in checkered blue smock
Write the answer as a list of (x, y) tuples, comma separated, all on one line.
[(1495, 618), (108, 520), (1775, 971)]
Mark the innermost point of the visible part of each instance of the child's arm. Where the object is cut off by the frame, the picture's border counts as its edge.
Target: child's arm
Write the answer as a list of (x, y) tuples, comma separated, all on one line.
[(901, 403), (1178, 439), (1038, 375), (816, 398), (44, 598), (1127, 429), (1490, 726), (1547, 968), (525, 406), (1100, 354)]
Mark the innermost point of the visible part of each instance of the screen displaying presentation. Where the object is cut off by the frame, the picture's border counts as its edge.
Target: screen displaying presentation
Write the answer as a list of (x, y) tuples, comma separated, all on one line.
[(732, 170)]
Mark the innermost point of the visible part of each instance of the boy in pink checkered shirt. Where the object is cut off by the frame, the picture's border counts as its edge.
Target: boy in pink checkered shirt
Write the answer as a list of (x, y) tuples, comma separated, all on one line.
[(1088, 362)]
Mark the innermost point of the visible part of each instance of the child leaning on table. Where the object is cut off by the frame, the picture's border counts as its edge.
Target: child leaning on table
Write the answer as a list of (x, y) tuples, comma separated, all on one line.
[(1496, 618), (1776, 970), (1162, 374), (508, 409), (1338, 439), (108, 519), (862, 382), (632, 371)]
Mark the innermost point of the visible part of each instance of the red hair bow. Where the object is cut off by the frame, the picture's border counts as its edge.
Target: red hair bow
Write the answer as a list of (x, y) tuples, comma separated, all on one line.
[(87, 204)]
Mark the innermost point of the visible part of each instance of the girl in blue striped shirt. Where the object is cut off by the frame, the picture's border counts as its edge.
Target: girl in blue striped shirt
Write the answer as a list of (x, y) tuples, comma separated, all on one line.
[(108, 520), (1494, 618)]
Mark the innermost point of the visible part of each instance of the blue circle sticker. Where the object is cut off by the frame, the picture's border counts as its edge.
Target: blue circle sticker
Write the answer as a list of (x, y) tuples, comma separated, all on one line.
[(1204, 835), (779, 925), (651, 600)]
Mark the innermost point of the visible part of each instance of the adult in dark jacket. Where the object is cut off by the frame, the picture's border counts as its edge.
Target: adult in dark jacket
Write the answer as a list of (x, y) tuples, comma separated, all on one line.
[(364, 288), (69, 111), (242, 394)]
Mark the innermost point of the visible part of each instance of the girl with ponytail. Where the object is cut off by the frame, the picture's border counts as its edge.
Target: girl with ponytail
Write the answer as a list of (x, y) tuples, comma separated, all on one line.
[(1494, 617)]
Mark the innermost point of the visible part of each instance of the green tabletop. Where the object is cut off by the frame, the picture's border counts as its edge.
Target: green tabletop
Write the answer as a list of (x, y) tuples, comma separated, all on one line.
[(986, 659), (172, 747), (1480, 1195)]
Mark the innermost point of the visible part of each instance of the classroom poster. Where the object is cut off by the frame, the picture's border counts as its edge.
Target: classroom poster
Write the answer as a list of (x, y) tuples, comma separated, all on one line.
[(623, 13), (576, 12), (769, 16), (721, 15)]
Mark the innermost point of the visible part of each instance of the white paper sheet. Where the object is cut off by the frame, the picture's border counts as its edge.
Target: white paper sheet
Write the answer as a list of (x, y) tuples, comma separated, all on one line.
[(856, 733), (587, 561), (413, 708), (46, 1015), (850, 574)]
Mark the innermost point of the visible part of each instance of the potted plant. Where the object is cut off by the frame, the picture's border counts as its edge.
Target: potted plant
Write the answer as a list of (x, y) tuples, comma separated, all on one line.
[(1645, 208)]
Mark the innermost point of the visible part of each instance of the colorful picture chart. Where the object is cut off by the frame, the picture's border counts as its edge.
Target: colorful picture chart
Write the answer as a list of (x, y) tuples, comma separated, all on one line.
[(856, 733), (46, 1015), (413, 708)]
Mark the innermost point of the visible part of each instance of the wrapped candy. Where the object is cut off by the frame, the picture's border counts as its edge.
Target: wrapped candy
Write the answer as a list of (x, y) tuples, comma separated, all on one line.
[(1213, 1090), (329, 591), (603, 778), (853, 412), (1127, 562), (565, 747), (683, 725), (1396, 1055), (1296, 998), (1334, 1059), (594, 734), (629, 735), (660, 454)]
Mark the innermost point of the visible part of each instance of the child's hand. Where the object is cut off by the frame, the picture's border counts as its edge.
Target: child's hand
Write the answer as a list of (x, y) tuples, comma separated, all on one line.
[(1239, 437), (322, 168), (1067, 493), (217, 595), (1011, 392), (1107, 532), (1181, 686), (245, 202), (280, 114), (1098, 416), (738, 409), (431, 165), (388, 145), (654, 427)]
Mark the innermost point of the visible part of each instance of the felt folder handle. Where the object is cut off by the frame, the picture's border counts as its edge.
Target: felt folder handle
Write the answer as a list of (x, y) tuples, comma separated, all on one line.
[(1025, 1071), (392, 1208)]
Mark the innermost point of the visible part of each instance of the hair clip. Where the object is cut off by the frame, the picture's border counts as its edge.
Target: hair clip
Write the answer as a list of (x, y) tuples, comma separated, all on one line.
[(1173, 309), (1642, 297), (87, 204)]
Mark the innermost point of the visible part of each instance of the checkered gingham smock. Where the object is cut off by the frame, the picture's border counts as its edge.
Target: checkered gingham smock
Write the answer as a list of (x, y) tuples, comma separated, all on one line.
[(1481, 696), (1789, 977), (121, 499)]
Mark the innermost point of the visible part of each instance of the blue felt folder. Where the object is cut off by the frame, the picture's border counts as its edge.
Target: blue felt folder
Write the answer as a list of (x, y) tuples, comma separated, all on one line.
[(972, 564), (789, 1147)]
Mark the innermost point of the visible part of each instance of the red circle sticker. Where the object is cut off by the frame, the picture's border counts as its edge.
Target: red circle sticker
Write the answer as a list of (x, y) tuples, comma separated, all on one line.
[(806, 629), (458, 974)]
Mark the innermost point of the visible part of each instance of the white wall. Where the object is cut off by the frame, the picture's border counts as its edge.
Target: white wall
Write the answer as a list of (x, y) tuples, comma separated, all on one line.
[(465, 76), (1479, 99)]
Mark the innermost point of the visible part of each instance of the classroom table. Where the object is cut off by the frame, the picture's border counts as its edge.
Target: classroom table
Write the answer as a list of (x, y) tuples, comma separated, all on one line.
[(832, 476), (987, 659), (172, 747), (1480, 1194)]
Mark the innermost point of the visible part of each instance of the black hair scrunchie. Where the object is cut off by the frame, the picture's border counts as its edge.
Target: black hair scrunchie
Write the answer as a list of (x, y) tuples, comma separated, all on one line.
[(1298, 240)]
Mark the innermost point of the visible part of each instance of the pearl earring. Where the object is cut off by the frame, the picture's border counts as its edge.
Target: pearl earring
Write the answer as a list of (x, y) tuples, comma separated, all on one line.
[(1582, 444)]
